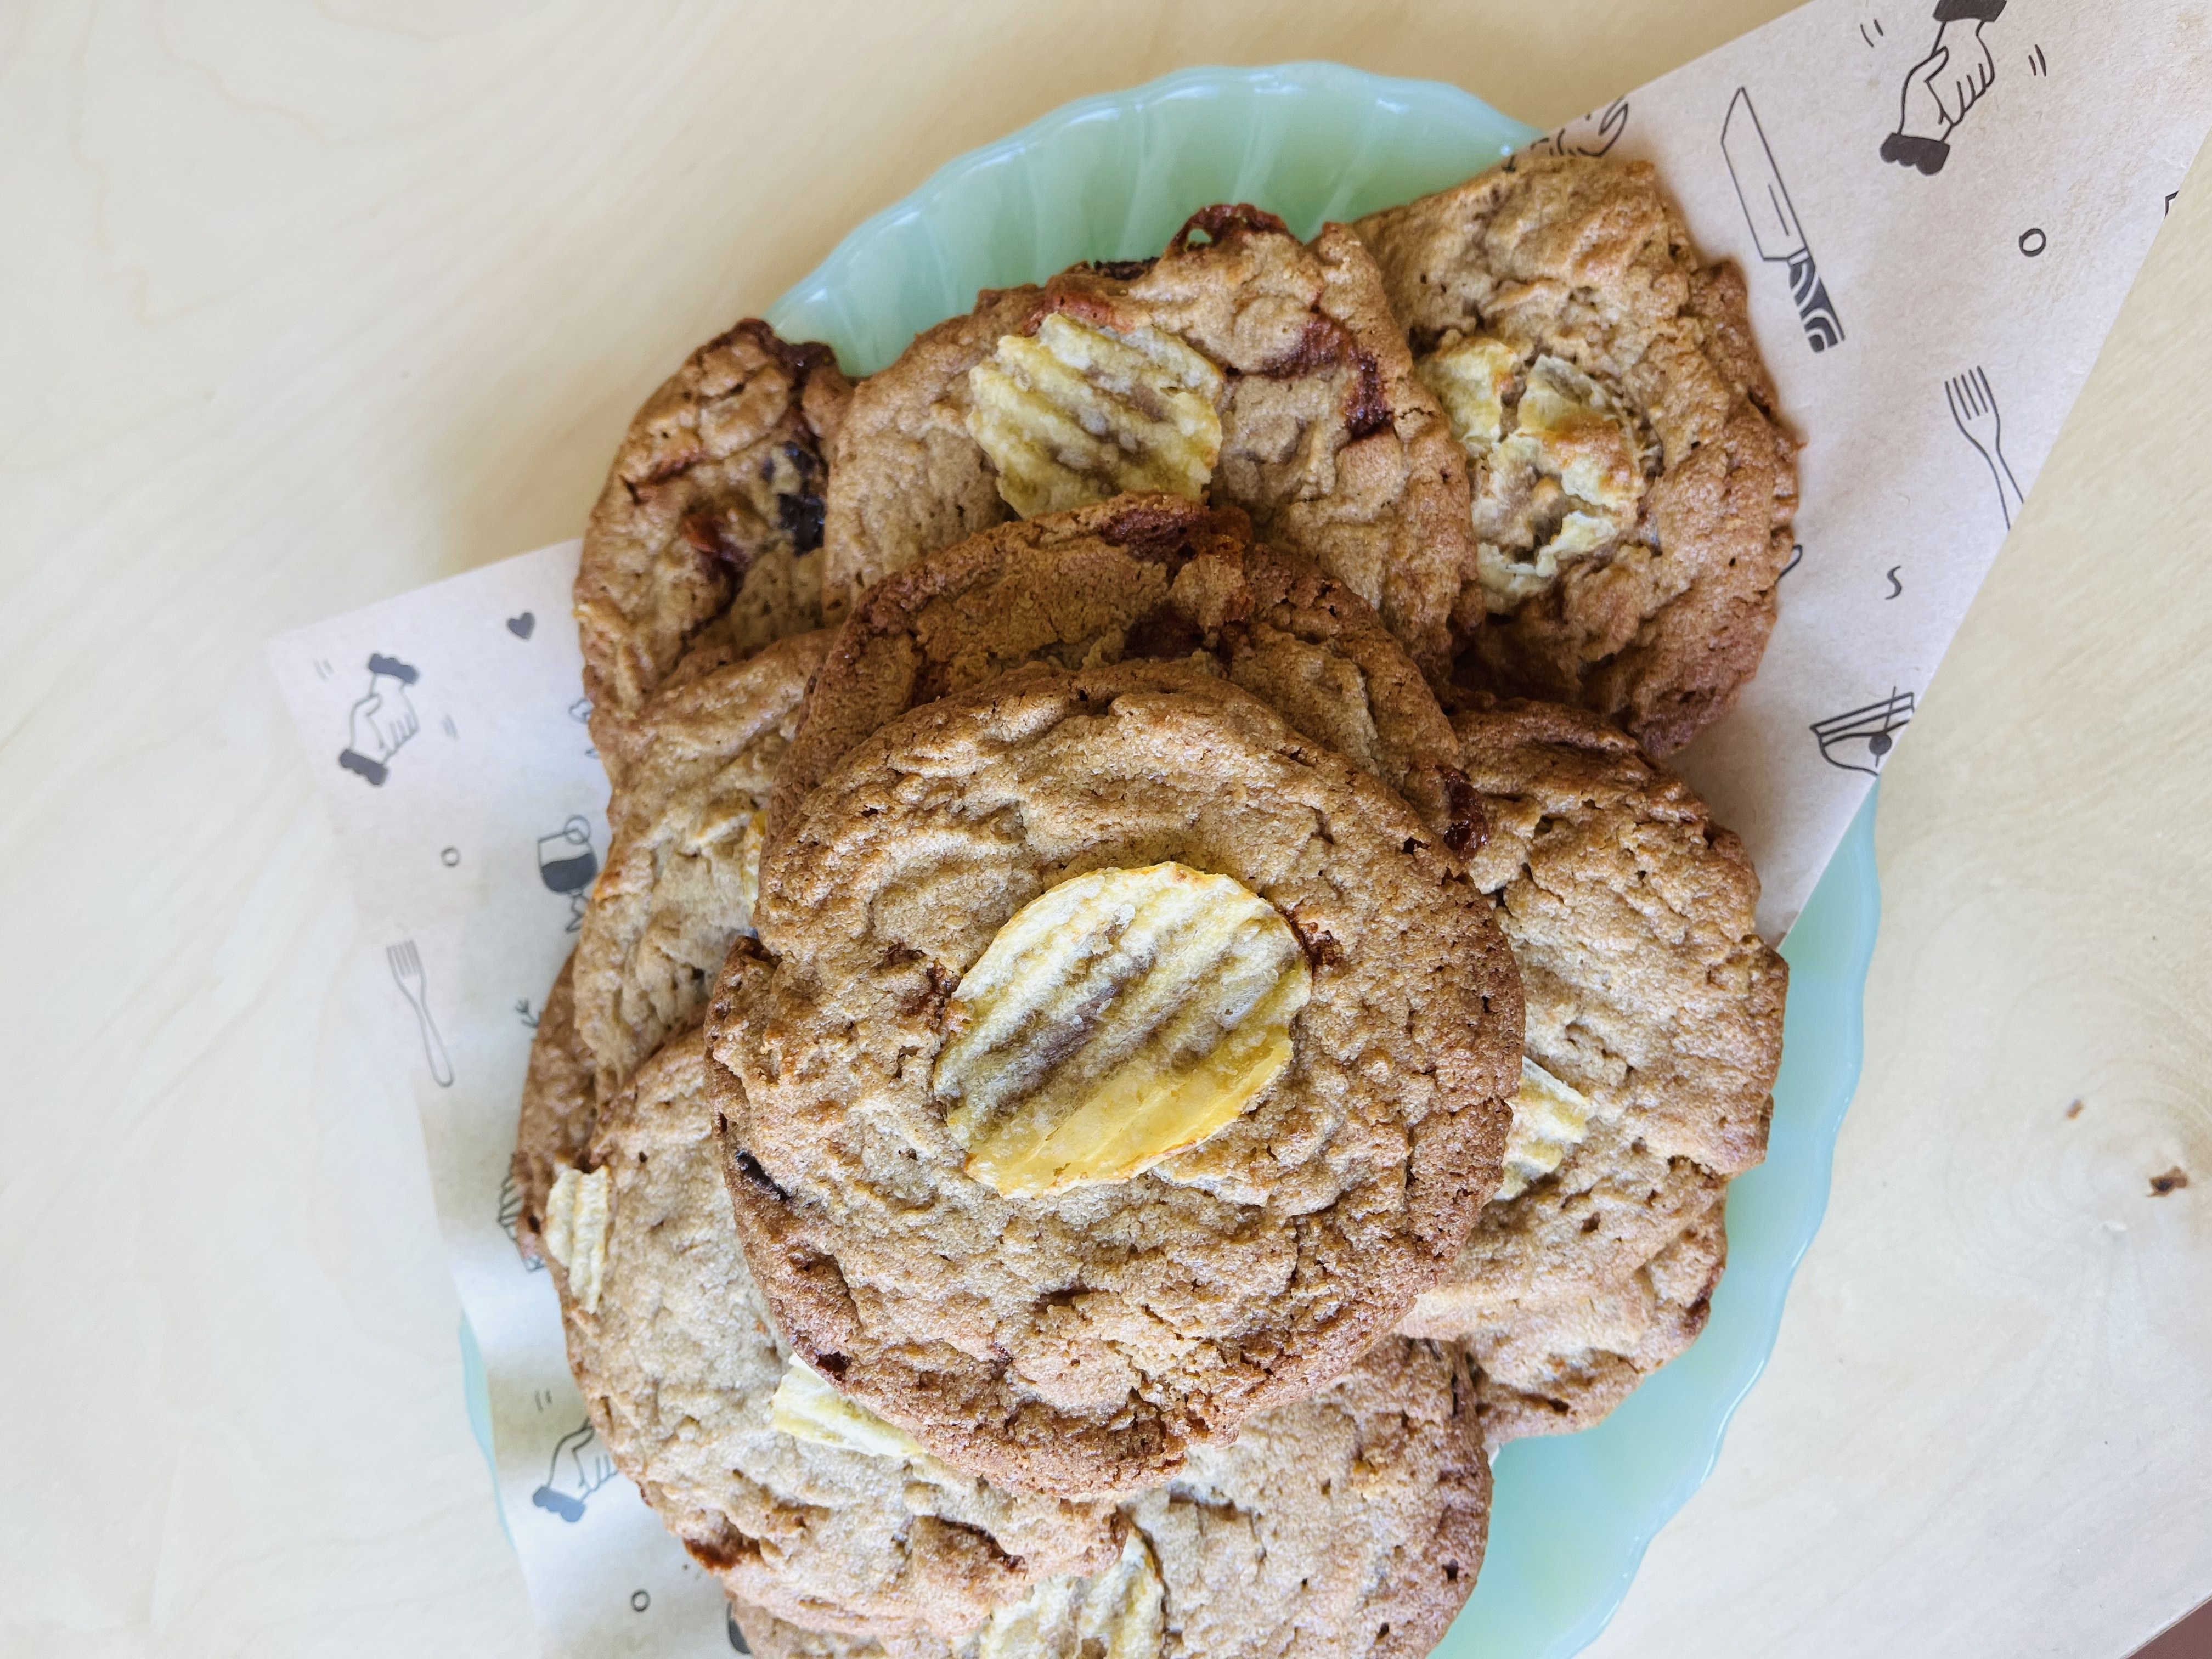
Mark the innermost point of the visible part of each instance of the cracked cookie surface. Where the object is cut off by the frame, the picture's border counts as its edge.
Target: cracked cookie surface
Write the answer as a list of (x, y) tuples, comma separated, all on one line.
[(1651, 994), (709, 527), (1631, 483), (560, 1110), (1085, 1340), (683, 853), (1348, 1526), (1136, 577), (1107, 377), (689, 1384)]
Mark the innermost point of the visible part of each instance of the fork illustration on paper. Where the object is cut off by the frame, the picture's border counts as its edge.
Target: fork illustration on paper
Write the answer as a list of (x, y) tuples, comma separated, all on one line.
[(406, 965), (1974, 407)]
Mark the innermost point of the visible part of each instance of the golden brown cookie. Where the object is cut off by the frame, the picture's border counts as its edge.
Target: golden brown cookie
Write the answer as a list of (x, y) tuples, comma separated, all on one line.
[(798, 1501), (907, 476), (1348, 1526), (684, 854), (711, 518), (1655, 1022), (1242, 367), (560, 1110), (1136, 576), (1116, 1063), (1632, 484)]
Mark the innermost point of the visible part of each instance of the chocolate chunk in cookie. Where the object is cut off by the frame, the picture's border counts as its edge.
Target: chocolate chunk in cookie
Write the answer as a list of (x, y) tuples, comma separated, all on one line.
[(1654, 1036), (1243, 367), (711, 521), (683, 858), (1632, 485), (1137, 576), (796, 1499), (1077, 1320)]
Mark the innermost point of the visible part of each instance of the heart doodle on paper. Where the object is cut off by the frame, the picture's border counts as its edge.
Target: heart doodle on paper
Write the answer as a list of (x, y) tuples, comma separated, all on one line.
[(520, 626)]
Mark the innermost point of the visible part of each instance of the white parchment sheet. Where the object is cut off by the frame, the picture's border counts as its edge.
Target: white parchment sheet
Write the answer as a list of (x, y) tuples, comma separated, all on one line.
[(1938, 206)]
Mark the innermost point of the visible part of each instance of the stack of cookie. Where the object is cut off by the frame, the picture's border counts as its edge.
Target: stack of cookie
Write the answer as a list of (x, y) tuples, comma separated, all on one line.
[(1149, 1000)]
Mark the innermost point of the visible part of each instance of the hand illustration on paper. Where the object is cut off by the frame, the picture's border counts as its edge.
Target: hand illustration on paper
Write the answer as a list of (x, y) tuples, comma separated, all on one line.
[(406, 965), (1944, 85), (1974, 407), (1592, 135), (382, 721), (580, 1466)]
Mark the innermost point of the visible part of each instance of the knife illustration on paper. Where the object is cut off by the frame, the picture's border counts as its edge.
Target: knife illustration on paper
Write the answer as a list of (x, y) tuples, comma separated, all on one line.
[(1773, 219)]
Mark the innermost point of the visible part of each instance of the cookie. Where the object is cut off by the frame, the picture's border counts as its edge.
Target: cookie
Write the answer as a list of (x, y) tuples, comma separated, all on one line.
[(1632, 485), (560, 1110), (1348, 1526), (1113, 1064), (711, 520), (1654, 1026), (1242, 367), (1562, 1362), (767, 1636), (684, 854), (906, 477), (797, 1501), (1137, 576)]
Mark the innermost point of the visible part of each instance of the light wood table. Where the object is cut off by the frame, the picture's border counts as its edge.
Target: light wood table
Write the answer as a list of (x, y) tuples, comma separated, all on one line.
[(301, 306)]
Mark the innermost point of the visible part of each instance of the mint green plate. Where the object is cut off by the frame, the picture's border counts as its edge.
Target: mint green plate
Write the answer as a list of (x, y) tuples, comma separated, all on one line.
[(1112, 177)]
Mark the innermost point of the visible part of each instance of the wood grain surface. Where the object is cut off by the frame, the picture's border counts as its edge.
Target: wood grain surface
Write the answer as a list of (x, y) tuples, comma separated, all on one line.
[(307, 305)]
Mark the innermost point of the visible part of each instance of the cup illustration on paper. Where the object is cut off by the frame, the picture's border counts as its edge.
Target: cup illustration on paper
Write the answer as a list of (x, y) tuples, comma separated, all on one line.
[(1860, 739), (566, 863), (579, 1468), (378, 726), (1974, 407), (406, 965), (1773, 219), (1956, 73)]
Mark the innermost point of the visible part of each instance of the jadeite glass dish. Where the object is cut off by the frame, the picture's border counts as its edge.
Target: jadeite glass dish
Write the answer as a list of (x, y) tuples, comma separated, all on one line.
[(1112, 177)]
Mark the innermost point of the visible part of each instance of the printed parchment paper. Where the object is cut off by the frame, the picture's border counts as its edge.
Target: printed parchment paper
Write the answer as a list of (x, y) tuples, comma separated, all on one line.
[(1938, 206)]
